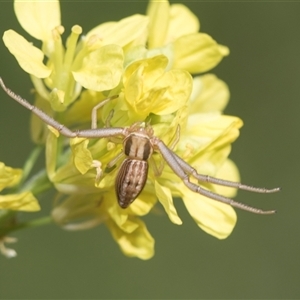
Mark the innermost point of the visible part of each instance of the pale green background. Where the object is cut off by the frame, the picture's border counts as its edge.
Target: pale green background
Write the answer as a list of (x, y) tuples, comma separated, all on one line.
[(261, 258)]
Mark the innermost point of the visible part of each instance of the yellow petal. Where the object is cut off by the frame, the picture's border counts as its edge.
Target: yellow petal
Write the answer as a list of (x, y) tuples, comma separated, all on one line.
[(148, 88), (211, 160), (159, 14), (171, 92), (30, 58), (182, 22), (165, 198), (38, 18), (139, 243), (9, 176), (143, 204), (209, 94), (146, 70), (196, 53), (139, 78), (223, 50), (82, 157), (207, 132), (23, 202), (119, 216), (133, 86), (101, 69), (215, 218), (123, 32)]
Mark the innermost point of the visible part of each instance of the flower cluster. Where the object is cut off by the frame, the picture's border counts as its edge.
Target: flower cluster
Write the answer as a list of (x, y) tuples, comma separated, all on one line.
[(148, 61)]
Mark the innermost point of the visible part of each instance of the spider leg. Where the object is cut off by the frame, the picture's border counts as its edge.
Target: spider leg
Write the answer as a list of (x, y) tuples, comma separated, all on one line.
[(173, 161), (205, 178), (175, 138), (89, 133), (109, 117), (113, 162), (158, 169), (95, 109)]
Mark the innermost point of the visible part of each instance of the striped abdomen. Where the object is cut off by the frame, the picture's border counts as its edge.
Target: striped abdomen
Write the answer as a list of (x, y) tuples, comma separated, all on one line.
[(131, 180)]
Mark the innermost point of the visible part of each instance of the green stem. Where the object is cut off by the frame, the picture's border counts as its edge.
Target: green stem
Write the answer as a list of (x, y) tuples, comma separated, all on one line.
[(34, 223), (37, 183), (6, 215), (30, 163), (30, 224)]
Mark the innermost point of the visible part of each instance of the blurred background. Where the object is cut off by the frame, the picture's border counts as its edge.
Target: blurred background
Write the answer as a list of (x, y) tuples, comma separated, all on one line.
[(261, 259)]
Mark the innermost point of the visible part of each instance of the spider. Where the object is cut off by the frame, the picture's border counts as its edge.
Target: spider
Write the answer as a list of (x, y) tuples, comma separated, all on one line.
[(139, 143)]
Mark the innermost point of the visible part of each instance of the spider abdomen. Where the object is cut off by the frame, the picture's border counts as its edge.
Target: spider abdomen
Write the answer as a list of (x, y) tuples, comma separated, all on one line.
[(130, 180)]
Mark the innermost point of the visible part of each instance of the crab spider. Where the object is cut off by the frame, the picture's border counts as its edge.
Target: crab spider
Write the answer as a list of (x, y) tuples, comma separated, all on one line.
[(139, 143)]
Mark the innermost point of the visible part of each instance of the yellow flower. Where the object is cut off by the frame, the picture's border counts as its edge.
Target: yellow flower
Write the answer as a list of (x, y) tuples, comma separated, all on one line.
[(173, 31), (90, 64), (128, 230), (24, 201), (205, 141), (147, 61)]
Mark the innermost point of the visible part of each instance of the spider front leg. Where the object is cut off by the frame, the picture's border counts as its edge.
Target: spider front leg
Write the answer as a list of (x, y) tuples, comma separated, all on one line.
[(206, 178), (88, 133), (159, 169), (98, 106), (183, 170)]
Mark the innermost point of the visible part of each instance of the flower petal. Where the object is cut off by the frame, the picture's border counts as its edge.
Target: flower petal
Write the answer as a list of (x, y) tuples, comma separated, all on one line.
[(207, 133), (171, 92), (9, 176), (139, 78), (30, 58), (143, 204), (101, 69), (138, 243), (24, 202), (82, 157), (215, 218), (147, 70), (182, 22), (118, 215), (38, 18), (196, 53), (148, 88), (209, 94), (165, 198), (159, 14), (123, 32)]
